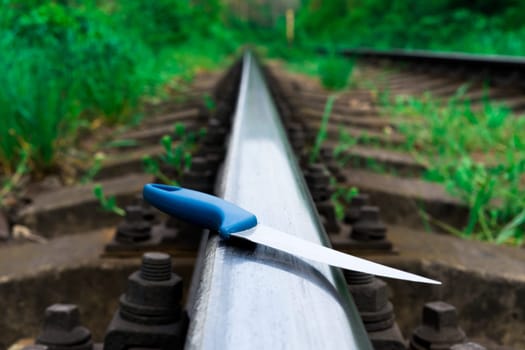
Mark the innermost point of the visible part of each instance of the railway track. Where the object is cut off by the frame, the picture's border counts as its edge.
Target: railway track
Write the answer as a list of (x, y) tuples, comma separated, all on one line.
[(85, 249)]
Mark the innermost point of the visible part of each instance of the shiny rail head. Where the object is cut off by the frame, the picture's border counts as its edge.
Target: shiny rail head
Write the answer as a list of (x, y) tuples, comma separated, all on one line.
[(263, 306)]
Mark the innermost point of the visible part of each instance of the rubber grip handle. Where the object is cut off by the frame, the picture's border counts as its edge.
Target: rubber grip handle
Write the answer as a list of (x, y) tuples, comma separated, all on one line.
[(199, 208)]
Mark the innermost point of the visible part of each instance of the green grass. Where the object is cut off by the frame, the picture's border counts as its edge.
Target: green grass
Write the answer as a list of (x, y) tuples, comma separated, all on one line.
[(477, 26), (335, 71), (65, 65), (322, 133), (107, 203), (477, 154), (177, 156)]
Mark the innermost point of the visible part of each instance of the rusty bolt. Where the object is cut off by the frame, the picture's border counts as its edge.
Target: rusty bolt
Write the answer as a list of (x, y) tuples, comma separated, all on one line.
[(355, 277), (62, 329), (439, 315), (154, 292), (317, 169), (150, 315), (327, 211), (318, 180), (148, 212), (156, 267), (353, 212), (200, 165), (199, 177), (369, 297), (369, 226), (135, 227), (439, 328), (216, 132)]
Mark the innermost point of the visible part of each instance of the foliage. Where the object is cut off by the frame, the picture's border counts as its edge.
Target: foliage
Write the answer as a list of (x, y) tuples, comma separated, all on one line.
[(322, 133), (94, 168), (107, 203), (209, 103), (176, 158), (476, 26), (341, 197), (334, 72), (345, 142), (478, 154), (10, 183), (67, 63)]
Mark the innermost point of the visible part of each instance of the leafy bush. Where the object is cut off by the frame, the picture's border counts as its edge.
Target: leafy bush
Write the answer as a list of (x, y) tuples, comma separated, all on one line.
[(335, 71), (66, 63), (476, 26)]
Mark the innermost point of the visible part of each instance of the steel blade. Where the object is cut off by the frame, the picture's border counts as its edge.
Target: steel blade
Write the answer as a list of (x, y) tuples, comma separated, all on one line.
[(285, 242)]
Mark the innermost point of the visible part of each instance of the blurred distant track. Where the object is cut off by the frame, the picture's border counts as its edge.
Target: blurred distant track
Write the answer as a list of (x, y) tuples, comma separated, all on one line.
[(500, 70)]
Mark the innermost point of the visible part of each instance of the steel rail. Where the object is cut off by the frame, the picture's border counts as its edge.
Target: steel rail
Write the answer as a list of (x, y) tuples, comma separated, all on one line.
[(508, 67), (453, 57), (255, 297)]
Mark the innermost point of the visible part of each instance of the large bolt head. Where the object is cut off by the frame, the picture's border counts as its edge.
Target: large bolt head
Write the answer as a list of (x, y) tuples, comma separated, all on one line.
[(439, 315), (200, 165), (62, 327), (439, 329), (62, 316), (370, 213), (353, 212), (369, 225), (134, 213)]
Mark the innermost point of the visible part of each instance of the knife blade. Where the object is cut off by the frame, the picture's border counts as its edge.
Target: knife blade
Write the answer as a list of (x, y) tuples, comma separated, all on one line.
[(228, 219)]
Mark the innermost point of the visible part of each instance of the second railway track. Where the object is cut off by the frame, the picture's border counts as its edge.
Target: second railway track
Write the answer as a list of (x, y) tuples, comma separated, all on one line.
[(390, 231)]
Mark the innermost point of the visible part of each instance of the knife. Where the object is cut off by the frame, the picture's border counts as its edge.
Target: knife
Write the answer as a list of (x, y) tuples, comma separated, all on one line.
[(228, 219)]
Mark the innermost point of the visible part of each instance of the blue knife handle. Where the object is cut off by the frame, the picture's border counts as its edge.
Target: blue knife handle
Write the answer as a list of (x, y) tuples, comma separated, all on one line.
[(199, 208)]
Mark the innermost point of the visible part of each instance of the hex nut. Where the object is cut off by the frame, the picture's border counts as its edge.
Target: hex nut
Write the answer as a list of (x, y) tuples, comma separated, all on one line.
[(370, 297), (154, 292)]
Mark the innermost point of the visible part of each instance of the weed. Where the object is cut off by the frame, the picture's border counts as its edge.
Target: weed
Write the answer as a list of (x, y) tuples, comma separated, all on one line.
[(322, 133), (335, 71), (120, 143), (107, 203), (176, 158), (66, 63), (10, 183), (346, 141), (209, 103), (94, 169), (478, 155), (341, 197)]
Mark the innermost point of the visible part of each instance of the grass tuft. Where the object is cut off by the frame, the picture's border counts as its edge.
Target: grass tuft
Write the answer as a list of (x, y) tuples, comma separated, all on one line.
[(476, 153)]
